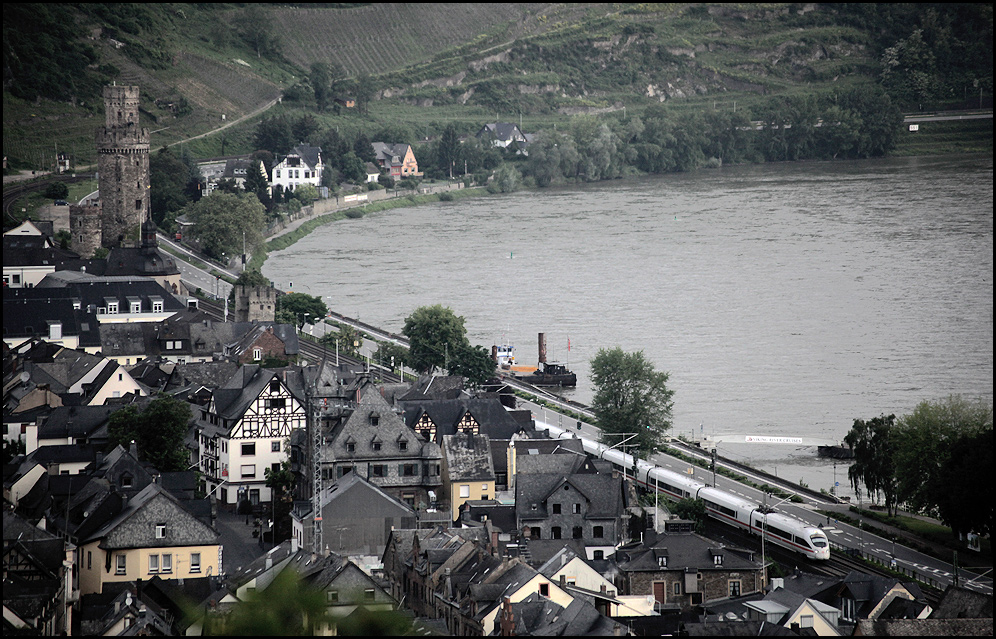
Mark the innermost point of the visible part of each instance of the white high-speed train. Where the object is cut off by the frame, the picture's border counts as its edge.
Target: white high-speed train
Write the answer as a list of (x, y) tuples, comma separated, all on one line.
[(777, 528)]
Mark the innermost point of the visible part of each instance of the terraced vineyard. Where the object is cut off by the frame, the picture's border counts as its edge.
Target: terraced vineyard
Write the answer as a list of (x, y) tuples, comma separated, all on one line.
[(386, 37)]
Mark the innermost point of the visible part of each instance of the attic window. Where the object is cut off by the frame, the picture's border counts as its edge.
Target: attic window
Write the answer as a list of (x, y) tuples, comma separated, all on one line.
[(350, 447), (160, 531), (402, 445), (717, 560), (374, 418)]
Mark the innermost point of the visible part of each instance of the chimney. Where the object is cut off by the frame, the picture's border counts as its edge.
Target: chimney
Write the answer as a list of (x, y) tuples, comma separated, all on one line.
[(542, 348)]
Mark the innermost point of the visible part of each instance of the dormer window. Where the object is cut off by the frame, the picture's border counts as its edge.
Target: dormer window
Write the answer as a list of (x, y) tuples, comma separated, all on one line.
[(402, 445), (374, 419), (717, 560)]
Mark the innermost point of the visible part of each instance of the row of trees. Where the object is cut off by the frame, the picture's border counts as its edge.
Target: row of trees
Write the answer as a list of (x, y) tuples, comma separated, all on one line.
[(934, 460)]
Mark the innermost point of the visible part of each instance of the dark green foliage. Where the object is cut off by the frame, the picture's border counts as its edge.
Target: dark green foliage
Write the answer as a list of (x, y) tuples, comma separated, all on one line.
[(692, 510), (46, 55), (346, 340), (631, 397), (274, 135), (159, 432), (56, 191), (172, 180), (874, 446), (225, 223), (474, 363), (303, 307), (434, 334)]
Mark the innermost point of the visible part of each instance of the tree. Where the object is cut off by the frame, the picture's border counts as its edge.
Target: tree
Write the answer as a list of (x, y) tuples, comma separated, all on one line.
[(434, 333), (473, 363), (925, 440), (158, 431), (274, 135), (255, 28), (630, 397), (347, 340), (169, 179), (224, 222), (966, 504), (56, 191), (874, 445), (303, 307)]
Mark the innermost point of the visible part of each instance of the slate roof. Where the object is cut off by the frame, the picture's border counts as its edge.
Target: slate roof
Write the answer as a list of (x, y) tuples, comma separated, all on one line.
[(389, 153), (246, 334), (603, 493), (468, 457), (34, 250), (390, 428), (92, 291), (77, 422), (687, 550), (134, 526), (28, 311), (503, 131), (234, 397), (492, 418), (536, 615), (310, 155)]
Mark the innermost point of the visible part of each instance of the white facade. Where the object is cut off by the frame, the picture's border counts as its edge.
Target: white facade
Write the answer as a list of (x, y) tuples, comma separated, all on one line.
[(235, 460), (303, 165)]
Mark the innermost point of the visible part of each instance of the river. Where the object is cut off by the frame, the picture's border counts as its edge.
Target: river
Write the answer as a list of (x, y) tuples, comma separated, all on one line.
[(784, 300)]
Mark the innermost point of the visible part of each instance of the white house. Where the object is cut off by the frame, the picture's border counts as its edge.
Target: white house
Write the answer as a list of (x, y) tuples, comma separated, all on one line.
[(303, 165), (245, 429)]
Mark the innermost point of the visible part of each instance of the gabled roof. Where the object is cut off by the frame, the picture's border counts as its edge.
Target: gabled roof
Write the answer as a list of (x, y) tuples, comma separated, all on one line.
[(603, 493), (502, 131), (492, 418), (134, 526), (390, 153), (687, 550), (310, 155), (468, 456), (233, 399), (250, 332), (360, 427)]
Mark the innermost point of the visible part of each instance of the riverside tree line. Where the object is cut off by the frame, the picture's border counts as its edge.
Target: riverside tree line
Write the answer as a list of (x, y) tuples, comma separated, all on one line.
[(937, 460)]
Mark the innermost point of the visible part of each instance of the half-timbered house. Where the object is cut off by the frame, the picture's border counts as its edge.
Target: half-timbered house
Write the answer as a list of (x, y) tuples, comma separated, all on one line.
[(245, 429)]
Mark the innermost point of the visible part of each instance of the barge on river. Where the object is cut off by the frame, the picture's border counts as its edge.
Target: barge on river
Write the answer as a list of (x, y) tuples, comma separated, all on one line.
[(545, 374)]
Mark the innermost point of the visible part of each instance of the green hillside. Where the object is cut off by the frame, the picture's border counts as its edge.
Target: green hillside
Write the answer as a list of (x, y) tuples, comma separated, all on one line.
[(417, 67)]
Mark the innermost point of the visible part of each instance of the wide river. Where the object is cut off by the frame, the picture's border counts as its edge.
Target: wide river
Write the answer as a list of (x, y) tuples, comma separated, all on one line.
[(784, 300)]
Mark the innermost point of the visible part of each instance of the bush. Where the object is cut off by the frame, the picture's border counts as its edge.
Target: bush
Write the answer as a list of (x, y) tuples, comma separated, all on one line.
[(445, 196), (56, 191)]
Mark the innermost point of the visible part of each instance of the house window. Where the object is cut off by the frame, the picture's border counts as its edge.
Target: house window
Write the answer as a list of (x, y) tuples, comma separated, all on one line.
[(350, 447), (274, 386), (166, 564), (535, 533), (369, 594), (556, 509), (248, 450), (409, 470), (806, 621), (160, 531), (195, 562), (598, 554), (576, 509), (157, 306), (257, 354), (735, 588), (248, 470), (275, 446), (332, 596), (717, 560), (379, 470), (89, 560), (576, 533), (276, 402), (662, 561), (121, 567), (112, 308), (153, 563), (402, 445), (597, 532), (555, 532), (376, 445), (544, 590), (465, 490), (677, 587)]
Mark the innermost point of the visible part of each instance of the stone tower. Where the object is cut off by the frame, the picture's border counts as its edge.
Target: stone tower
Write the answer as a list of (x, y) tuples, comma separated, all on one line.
[(85, 227), (255, 303), (123, 163)]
